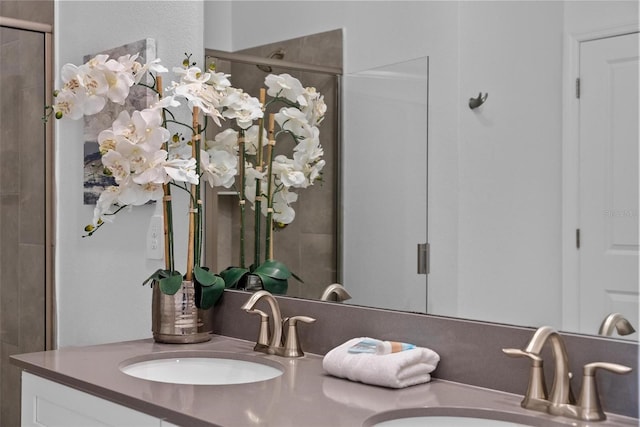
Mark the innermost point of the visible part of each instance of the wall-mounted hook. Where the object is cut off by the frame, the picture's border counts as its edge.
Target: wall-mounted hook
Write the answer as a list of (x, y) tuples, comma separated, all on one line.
[(476, 102)]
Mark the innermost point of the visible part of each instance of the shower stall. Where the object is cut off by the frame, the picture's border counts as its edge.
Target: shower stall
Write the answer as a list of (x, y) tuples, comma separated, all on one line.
[(25, 202)]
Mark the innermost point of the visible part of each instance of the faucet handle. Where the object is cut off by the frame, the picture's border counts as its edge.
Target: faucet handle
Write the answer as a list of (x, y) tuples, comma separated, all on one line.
[(292, 345), (589, 400), (263, 334), (537, 388)]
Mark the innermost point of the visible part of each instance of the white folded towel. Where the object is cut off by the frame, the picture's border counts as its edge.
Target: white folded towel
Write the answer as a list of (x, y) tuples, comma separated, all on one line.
[(395, 370)]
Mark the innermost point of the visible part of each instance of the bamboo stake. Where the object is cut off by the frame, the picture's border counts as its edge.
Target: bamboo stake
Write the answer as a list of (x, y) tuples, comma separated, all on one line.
[(241, 170), (193, 203), (269, 225), (258, 202), (166, 204)]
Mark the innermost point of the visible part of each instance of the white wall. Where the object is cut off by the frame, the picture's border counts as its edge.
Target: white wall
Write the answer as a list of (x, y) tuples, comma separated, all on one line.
[(98, 279), (510, 162), (373, 38)]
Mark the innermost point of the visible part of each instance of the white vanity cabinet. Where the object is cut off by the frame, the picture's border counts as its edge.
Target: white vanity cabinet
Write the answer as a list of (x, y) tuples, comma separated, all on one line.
[(47, 403)]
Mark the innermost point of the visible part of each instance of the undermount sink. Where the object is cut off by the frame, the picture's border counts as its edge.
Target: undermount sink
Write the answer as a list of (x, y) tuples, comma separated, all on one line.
[(455, 416), (200, 368)]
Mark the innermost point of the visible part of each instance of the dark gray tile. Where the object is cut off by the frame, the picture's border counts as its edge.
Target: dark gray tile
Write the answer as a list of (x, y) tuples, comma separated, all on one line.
[(9, 274), (10, 387), (31, 167), (32, 298)]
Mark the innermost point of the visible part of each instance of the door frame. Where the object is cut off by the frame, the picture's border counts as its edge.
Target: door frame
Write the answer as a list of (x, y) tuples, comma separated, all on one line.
[(571, 170)]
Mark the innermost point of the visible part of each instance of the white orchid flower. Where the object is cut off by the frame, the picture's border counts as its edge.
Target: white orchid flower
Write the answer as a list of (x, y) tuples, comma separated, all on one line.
[(293, 120), (192, 75), (165, 102), (138, 70), (315, 108), (182, 170), (284, 169), (226, 140), (282, 210), (153, 171), (119, 80), (242, 107), (69, 104), (252, 176), (219, 81), (285, 86), (117, 164), (251, 139), (309, 150), (219, 167), (135, 194), (108, 196), (201, 95)]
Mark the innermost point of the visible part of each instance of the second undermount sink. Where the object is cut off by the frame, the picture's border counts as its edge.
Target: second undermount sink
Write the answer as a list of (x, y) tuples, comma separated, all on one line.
[(455, 416), (200, 368)]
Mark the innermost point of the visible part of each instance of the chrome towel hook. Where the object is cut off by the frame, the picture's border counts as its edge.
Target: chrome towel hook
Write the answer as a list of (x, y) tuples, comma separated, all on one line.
[(476, 102)]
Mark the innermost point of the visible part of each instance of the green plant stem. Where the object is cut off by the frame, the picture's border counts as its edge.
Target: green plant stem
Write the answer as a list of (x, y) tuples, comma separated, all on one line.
[(258, 199), (243, 180), (167, 208), (198, 204)]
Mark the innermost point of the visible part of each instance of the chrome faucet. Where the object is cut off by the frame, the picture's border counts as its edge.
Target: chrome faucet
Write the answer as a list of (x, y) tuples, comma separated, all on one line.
[(275, 342), (618, 322), (561, 387), (271, 341), (561, 400), (335, 292)]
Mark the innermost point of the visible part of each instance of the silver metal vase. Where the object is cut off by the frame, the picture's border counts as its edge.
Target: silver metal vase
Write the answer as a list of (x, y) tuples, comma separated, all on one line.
[(175, 319)]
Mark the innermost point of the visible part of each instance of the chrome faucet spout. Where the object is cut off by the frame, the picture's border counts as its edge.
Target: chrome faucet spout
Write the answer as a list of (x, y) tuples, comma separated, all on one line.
[(276, 336), (561, 388), (335, 292), (618, 322)]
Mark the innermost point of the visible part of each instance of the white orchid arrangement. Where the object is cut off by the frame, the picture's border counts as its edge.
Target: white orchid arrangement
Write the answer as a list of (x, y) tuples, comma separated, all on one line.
[(147, 157)]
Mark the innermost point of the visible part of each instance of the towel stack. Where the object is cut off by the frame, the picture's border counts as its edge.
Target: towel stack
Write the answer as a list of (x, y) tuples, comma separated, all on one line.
[(396, 370)]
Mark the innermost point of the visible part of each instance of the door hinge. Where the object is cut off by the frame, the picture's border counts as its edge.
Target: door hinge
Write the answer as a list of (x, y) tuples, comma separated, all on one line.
[(424, 253), (577, 238), (578, 87)]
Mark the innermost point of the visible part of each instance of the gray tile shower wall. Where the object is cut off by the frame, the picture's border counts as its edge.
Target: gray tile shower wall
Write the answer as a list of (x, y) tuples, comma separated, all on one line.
[(22, 196), (471, 352)]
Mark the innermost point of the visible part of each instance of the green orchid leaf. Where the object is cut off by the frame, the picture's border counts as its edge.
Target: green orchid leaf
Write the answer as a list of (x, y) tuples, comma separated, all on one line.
[(157, 275), (233, 275), (208, 295), (204, 276), (274, 269), (273, 285), (170, 285)]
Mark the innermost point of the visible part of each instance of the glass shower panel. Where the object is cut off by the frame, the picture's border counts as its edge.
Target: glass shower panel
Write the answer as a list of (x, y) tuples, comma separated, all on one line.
[(385, 185)]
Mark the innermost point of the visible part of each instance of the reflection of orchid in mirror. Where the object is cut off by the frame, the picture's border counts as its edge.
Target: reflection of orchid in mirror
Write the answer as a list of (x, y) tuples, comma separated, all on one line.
[(268, 180)]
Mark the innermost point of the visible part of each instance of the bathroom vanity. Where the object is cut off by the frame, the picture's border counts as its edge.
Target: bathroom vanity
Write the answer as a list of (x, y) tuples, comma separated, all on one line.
[(474, 378), (84, 385)]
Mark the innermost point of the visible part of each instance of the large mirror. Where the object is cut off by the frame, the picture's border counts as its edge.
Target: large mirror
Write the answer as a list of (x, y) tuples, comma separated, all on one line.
[(528, 202)]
